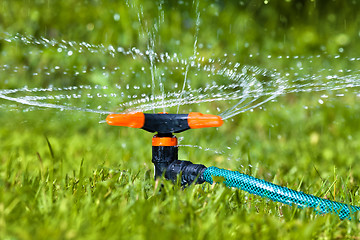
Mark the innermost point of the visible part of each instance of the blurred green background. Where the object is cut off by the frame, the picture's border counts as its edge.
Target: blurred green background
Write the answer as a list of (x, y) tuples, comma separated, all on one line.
[(286, 27)]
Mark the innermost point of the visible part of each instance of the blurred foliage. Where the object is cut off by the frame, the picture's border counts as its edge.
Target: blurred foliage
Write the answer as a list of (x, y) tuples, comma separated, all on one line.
[(285, 26)]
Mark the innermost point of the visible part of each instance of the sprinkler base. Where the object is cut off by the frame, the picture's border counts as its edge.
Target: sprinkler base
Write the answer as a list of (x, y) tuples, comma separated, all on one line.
[(165, 159)]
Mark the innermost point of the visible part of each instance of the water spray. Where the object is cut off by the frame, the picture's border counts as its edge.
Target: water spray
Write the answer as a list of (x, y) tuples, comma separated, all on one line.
[(167, 164)]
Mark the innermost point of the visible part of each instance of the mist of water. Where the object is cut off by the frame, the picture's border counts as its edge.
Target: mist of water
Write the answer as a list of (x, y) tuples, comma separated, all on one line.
[(238, 87)]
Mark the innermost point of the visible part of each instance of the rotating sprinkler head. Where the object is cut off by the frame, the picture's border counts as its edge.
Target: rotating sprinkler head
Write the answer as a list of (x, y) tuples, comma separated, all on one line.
[(164, 143), (164, 123)]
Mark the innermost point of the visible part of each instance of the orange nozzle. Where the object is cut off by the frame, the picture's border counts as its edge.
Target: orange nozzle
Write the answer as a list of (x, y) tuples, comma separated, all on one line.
[(134, 120), (199, 120)]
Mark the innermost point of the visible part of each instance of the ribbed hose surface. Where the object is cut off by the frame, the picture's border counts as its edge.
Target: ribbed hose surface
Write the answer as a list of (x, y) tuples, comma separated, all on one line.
[(280, 194)]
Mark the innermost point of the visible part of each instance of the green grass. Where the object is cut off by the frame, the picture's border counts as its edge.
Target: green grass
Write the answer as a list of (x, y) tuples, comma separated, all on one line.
[(63, 175), (82, 183)]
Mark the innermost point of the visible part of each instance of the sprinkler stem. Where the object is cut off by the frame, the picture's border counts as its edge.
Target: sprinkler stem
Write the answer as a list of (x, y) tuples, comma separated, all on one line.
[(165, 159)]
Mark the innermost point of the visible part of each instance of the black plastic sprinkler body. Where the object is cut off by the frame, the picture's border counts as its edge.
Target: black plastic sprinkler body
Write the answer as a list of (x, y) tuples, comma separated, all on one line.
[(164, 143)]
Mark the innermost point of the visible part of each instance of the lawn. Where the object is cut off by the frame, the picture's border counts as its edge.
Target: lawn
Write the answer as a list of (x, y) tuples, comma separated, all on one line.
[(65, 174)]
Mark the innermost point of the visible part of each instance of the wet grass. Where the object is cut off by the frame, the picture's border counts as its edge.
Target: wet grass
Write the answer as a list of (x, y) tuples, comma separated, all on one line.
[(92, 181), (64, 175)]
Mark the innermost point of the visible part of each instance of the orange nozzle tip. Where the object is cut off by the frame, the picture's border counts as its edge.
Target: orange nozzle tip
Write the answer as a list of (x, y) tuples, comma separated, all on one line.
[(134, 120), (199, 120)]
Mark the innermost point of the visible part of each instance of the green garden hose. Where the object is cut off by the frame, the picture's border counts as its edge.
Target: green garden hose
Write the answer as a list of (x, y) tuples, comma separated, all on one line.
[(279, 194)]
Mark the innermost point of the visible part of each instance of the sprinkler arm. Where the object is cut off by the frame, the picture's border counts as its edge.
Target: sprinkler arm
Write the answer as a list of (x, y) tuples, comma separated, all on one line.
[(164, 123), (164, 144)]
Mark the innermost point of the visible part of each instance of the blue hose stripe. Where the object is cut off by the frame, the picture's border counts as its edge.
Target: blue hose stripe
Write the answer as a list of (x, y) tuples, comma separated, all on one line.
[(279, 194)]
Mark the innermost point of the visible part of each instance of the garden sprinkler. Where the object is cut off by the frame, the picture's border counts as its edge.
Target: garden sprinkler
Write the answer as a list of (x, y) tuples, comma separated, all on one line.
[(165, 159), (164, 143)]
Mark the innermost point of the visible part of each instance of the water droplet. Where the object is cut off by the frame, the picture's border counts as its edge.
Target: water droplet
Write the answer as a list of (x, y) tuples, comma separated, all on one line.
[(116, 17)]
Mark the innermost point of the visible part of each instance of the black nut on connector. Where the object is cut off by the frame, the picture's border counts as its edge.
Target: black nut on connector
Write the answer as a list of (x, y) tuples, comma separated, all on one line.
[(167, 165), (189, 172)]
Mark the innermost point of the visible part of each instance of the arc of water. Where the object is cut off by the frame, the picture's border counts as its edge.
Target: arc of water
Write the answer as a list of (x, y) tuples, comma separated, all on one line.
[(241, 110), (62, 45), (197, 27), (234, 108), (49, 105)]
